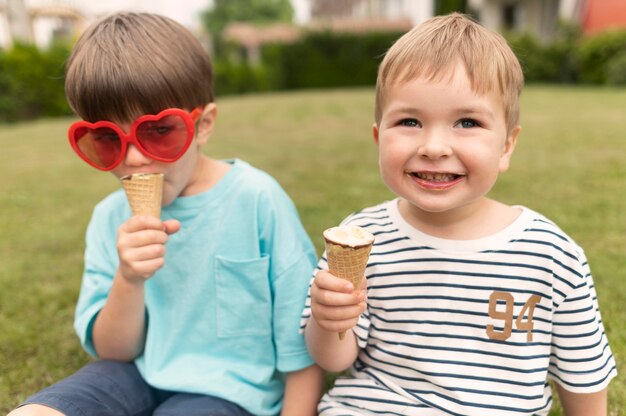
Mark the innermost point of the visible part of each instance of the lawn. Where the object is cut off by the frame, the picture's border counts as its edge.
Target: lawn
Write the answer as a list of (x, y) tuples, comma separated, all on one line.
[(570, 165)]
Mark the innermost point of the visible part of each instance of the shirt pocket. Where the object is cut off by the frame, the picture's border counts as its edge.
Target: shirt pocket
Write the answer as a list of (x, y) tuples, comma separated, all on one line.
[(244, 306)]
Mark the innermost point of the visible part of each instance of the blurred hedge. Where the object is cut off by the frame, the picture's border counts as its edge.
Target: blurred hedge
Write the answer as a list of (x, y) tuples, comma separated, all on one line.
[(322, 60), (573, 58), (316, 60), (31, 80), (551, 62), (602, 58)]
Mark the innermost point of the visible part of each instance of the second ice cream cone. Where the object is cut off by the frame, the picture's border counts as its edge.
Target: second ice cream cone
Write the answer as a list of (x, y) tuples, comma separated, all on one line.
[(347, 251), (144, 192)]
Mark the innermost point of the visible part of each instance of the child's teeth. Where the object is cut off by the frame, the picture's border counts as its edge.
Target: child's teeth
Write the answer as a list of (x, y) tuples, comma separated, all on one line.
[(436, 177)]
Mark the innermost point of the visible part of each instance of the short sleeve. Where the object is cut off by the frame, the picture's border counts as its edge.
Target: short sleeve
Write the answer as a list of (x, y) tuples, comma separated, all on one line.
[(581, 359), (290, 289), (292, 258)]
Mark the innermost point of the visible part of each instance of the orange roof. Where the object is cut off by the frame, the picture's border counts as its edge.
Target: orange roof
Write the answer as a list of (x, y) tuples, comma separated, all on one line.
[(600, 15)]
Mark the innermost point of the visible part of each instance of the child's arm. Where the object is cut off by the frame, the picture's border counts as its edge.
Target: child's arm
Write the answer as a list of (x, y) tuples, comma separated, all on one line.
[(303, 390), (119, 328), (335, 308), (583, 404)]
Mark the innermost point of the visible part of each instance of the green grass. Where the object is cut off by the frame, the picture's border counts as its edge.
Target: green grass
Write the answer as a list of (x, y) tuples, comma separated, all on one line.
[(570, 165)]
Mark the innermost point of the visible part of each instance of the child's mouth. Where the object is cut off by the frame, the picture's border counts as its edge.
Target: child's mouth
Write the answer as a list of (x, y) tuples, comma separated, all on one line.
[(436, 180)]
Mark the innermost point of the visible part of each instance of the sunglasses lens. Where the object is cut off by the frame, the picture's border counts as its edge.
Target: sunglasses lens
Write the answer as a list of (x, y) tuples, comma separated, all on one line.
[(102, 146), (165, 138)]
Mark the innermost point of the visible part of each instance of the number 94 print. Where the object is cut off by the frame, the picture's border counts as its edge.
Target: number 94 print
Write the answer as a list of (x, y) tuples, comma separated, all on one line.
[(501, 308)]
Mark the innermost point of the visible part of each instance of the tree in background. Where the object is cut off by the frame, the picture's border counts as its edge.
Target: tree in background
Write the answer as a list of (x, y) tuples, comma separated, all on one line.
[(258, 12), (449, 6)]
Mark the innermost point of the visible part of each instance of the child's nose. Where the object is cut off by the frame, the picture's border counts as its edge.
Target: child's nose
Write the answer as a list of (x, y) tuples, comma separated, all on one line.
[(134, 157), (434, 144)]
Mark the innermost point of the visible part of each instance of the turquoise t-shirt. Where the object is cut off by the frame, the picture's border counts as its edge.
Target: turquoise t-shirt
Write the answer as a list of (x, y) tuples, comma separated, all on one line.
[(223, 313)]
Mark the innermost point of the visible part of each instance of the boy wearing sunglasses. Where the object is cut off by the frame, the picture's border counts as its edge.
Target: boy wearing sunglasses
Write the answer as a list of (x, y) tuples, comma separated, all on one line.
[(210, 325)]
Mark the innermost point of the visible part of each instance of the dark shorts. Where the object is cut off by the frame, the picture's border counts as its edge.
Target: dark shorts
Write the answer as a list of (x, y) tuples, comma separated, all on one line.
[(112, 388)]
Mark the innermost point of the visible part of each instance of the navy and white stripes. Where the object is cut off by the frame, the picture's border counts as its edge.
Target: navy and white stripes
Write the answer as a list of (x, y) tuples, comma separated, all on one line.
[(471, 327)]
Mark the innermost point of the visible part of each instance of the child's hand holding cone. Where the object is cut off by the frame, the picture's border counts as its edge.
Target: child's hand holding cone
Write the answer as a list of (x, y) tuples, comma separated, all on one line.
[(141, 239), (347, 253)]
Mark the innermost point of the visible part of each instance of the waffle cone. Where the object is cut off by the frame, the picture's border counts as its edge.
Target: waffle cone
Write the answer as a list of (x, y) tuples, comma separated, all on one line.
[(347, 262), (144, 192)]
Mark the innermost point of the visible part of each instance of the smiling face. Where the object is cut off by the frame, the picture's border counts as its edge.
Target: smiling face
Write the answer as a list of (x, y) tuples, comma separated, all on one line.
[(442, 145)]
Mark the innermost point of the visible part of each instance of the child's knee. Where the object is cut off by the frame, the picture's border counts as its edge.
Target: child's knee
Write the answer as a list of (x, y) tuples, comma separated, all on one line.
[(35, 410)]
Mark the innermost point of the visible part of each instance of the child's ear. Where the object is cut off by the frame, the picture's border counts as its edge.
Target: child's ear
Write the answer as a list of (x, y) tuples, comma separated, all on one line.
[(206, 123), (375, 133), (509, 147)]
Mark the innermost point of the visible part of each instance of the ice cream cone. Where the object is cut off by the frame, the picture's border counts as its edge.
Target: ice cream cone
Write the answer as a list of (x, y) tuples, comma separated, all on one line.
[(144, 192), (347, 251)]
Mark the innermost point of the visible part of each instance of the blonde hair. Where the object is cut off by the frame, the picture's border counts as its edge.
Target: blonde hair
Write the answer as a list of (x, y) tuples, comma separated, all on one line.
[(432, 49), (129, 64)]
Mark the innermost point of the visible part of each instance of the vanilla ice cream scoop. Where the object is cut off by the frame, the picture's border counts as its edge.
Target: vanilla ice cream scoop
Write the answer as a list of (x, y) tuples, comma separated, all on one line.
[(349, 236)]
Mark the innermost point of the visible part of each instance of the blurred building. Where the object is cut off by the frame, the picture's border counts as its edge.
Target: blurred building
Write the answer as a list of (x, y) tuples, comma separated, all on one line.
[(364, 10), (542, 17), (42, 21), (38, 23), (353, 16), (539, 17)]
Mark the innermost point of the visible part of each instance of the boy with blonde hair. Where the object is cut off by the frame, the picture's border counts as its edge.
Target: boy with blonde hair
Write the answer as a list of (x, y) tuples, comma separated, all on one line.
[(471, 305), (210, 326)]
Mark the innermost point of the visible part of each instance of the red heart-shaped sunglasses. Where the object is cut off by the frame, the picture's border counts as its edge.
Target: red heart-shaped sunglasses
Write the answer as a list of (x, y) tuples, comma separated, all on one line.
[(164, 137)]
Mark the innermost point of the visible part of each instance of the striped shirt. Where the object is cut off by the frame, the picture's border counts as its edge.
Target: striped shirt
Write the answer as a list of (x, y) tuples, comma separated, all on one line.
[(471, 327)]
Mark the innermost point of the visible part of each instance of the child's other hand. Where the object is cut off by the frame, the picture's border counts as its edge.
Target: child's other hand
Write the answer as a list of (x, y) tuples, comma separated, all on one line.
[(335, 305), (141, 246)]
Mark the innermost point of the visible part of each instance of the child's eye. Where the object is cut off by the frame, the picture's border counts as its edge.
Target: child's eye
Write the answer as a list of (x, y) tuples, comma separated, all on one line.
[(410, 122), (155, 129), (106, 136), (468, 123)]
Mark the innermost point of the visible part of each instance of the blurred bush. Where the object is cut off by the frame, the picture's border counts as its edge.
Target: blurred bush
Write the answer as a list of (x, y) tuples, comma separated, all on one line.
[(602, 58), (32, 82), (616, 69), (550, 62), (316, 60), (326, 59), (236, 77), (572, 57)]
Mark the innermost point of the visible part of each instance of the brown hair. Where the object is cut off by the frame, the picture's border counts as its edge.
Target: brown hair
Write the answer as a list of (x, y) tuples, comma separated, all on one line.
[(129, 64), (432, 49)]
